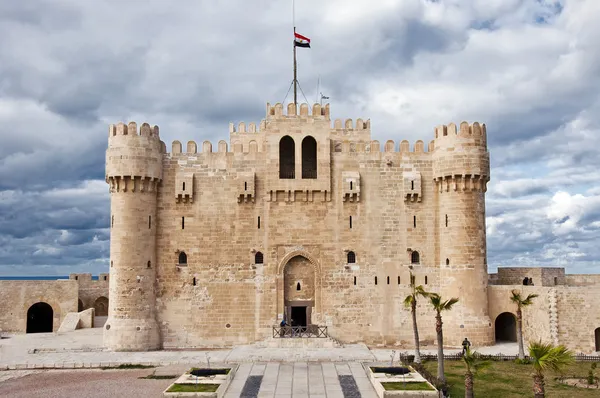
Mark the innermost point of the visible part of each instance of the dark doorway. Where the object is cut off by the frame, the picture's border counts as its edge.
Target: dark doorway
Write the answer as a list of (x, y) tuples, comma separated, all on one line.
[(79, 305), (101, 306), (597, 334), (506, 327), (287, 157), (39, 318), (298, 316)]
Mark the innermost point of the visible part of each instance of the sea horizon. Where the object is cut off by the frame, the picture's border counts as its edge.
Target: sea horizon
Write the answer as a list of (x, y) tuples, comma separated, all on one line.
[(38, 278)]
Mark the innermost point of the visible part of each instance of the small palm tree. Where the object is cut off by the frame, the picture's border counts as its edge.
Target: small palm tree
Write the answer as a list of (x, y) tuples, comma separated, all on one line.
[(545, 357), (440, 305), (411, 302), (473, 365), (520, 302)]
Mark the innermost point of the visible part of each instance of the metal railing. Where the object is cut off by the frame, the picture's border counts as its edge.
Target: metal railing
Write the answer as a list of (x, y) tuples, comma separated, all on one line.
[(309, 331)]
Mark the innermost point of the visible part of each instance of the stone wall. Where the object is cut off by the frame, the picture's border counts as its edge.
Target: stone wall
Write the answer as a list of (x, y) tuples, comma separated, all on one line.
[(582, 280), (578, 317), (541, 276), (561, 315), (92, 292), (221, 208), (16, 297)]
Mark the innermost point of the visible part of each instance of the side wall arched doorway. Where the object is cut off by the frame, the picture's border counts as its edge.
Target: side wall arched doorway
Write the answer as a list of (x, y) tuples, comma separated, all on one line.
[(40, 317), (506, 327), (79, 305), (101, 306), (298, 291), (597, 335)]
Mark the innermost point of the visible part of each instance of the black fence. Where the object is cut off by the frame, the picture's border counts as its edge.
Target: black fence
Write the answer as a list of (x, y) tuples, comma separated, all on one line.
[(497, 357), (309, 331)]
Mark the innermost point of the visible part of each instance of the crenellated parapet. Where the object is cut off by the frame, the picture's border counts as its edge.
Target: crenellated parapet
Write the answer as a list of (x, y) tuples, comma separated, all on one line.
[(461, 161), (277, 111), (134, 157)]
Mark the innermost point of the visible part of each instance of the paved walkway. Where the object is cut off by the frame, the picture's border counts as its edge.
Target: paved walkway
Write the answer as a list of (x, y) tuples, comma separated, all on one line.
[(83, 349), (301, 379)]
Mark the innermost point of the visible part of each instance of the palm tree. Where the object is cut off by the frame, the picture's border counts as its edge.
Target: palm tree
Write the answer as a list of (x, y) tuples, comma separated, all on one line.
[(411, 302), (440, 305), (544, 357), (473, 366), (520, 302)]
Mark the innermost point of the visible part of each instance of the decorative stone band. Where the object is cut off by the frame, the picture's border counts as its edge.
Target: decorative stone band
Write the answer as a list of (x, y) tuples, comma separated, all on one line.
[(458, 183), (132, 184)]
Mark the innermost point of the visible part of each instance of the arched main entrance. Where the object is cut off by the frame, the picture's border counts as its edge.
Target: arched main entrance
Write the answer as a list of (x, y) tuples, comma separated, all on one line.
[(101, 306), (79, 305), (39, 318), (597, 335), (506, 327), (298, 291)]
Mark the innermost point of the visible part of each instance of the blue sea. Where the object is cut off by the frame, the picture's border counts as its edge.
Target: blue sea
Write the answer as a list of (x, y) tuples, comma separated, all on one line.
[(38, 278)]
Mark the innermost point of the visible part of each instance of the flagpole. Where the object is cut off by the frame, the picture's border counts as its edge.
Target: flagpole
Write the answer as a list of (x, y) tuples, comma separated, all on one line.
[(295, 71), (294, 43)]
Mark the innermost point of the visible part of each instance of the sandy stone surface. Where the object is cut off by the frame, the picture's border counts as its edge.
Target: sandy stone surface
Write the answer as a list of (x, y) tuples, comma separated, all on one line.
[(83, 383)]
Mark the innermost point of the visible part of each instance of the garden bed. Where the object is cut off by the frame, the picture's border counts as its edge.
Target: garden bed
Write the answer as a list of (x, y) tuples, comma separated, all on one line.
[(399, 381), (202, 382)]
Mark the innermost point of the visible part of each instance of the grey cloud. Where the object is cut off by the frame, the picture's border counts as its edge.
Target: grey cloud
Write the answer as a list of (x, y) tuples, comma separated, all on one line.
[(528, 69)]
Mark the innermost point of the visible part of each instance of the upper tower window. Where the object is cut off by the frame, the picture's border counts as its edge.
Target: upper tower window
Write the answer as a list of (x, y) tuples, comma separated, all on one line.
[(287, 157), (309, 157), (351, 258), (182, 258), (414, 257)]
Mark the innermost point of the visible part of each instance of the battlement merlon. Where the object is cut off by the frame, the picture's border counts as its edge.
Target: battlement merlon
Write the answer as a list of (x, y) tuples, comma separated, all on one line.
[(319, 112), (461, 153), (467, 135), (134, 155)]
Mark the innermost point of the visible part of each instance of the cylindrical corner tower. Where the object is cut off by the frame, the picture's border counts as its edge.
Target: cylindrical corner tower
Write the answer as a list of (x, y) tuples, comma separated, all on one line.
[(461, 169), (133, 171)]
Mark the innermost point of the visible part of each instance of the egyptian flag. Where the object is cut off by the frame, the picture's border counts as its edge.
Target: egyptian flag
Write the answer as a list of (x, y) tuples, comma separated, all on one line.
[(301, 41)]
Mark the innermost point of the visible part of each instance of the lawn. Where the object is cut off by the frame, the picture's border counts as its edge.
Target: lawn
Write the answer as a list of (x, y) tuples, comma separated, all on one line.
[(508, 380), (414, 386), (194, 388)]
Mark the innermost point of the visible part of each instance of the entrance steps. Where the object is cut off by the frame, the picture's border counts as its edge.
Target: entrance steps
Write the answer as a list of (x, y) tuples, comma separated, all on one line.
[(300, 342)]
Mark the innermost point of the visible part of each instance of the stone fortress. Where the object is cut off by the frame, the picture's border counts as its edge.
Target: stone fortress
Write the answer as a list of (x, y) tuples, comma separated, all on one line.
[(315, 223), (38, 306)]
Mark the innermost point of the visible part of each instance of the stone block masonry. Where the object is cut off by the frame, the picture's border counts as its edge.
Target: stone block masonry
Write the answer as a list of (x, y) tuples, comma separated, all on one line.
[(304, 220)]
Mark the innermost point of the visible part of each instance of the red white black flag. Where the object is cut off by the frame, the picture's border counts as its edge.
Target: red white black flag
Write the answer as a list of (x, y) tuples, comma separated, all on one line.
[(301, 41)]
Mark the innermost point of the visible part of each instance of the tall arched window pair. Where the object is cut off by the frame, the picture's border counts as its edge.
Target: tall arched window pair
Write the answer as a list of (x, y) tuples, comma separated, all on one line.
[(287, 157)]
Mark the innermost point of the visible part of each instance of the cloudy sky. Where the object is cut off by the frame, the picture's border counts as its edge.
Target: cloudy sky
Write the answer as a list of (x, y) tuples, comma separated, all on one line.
[(529, 69)]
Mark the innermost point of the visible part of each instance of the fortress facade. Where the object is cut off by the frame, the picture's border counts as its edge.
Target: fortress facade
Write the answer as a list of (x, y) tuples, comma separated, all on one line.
[(315, 223)]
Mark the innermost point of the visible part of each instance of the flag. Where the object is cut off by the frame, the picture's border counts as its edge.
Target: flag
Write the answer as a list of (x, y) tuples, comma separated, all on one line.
[(301, 41)]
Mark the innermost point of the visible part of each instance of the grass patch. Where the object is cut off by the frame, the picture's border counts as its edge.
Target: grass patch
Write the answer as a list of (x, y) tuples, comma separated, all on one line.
[(193, 388), (125, 366), (414, 386), (159, 377), (506, 379)]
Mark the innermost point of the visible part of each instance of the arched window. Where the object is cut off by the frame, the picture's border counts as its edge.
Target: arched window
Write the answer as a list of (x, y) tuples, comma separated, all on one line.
[(258, 258), (298, 287), (351, 258), (287, 157), (182, 258), (414, 257), (309, 157)]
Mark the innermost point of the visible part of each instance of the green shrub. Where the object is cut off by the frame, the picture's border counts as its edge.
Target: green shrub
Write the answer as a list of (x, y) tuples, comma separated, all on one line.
[(525, 361)]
